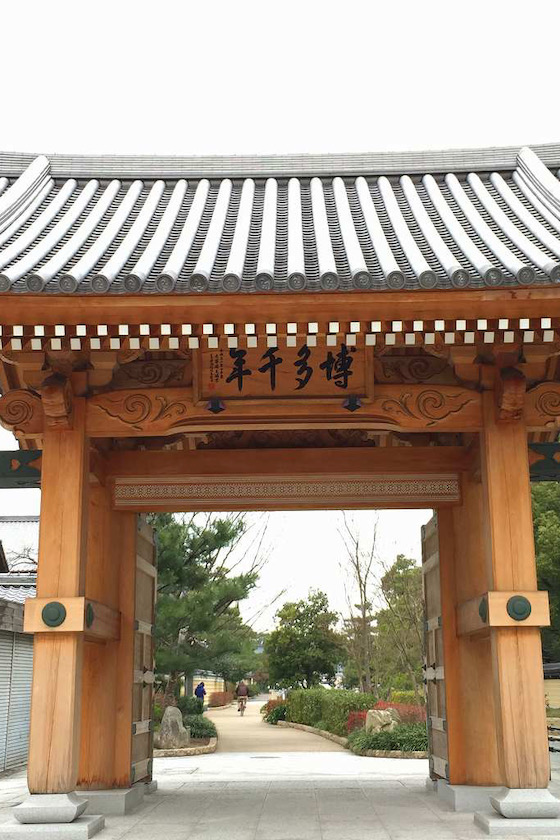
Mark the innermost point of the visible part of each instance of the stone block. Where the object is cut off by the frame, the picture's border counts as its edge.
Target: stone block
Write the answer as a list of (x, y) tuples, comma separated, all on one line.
[(50, 808), (81, 829), (115, 801), (172, 734), (149, 787), (497, 826), (526, 803), (382, 720), (466, 797)]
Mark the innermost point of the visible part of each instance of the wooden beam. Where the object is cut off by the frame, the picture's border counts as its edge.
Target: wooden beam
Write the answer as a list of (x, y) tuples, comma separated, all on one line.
[(309, 306), (54, 740), (185, 463), (510, 555), (491, 610), (166, 411), (96, 621)]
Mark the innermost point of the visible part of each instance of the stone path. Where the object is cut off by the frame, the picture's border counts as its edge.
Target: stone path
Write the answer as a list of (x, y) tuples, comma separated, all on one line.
[(250, 734)]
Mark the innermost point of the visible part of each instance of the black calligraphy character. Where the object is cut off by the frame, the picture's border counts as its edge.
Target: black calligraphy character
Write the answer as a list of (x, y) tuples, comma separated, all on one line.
[(239, 369), (272, 362), (304, 371), (338, 368)]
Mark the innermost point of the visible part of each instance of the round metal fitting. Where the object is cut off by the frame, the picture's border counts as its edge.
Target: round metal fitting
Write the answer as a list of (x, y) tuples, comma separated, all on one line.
[(483, 609), (53, 614), (518, 607), (90, 615)]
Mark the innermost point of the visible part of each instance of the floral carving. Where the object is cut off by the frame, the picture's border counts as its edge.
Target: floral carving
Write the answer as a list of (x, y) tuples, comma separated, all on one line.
[(151, 373), (543, 406), (409, 368), (21, 412)]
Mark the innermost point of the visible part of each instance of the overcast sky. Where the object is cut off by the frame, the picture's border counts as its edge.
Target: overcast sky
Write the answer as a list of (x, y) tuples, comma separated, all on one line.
[(256, 77)]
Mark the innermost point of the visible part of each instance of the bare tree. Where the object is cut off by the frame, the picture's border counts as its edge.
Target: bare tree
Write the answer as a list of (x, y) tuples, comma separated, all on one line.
[(360, 562)]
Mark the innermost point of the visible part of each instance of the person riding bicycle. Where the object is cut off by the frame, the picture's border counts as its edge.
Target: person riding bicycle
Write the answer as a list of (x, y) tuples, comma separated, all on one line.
[(241, 692)]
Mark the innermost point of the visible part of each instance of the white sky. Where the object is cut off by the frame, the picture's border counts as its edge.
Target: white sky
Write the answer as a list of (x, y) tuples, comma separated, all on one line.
[(296, 76)]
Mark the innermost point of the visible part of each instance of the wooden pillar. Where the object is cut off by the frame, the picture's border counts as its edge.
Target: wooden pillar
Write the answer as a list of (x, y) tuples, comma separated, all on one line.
[(54, 739), (106, 729), (494, 679), (517, 670)]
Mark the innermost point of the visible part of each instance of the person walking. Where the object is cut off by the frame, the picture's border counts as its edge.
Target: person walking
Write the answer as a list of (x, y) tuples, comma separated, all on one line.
[(241, 692), (200, 692)]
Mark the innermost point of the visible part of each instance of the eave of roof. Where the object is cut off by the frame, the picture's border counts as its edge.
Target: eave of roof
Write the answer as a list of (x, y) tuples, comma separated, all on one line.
[(488, 159)]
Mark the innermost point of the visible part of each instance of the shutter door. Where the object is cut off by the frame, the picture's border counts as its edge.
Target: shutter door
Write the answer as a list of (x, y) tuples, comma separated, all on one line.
[(6, 648), (142, 694), (434, 674), (17, 742)]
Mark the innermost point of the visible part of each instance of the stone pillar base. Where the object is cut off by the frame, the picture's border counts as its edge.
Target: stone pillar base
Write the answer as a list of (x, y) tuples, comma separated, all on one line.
[(150, 787), (81, 828), (466, 797), (50, 808), (114, 801), (498, 826), (526, 803)]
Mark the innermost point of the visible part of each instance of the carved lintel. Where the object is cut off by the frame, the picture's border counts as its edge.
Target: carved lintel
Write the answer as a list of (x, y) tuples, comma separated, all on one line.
[(56, 395), (510, 394), (21, 412)]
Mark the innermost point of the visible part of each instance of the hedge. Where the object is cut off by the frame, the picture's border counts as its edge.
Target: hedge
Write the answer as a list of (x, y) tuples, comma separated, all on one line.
[(331, 707), (220, 698), (200, 726), (407, 697)]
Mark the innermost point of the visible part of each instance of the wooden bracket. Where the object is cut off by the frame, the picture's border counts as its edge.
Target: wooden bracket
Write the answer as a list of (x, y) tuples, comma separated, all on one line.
[(510, 394), (497, 609), (96, 621), (56, 396)]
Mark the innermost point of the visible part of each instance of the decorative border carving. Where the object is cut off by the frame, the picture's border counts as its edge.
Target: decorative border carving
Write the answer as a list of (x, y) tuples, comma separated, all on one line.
[(274, 493)]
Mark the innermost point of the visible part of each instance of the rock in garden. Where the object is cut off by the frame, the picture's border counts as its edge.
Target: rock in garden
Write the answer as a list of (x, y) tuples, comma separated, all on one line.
[(382, 720), (172, 734)]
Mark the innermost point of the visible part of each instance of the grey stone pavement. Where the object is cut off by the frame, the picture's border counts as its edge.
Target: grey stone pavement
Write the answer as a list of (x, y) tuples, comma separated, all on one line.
[(279, 795)]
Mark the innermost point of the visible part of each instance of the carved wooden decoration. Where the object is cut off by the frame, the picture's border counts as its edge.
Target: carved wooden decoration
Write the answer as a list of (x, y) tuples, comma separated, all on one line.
[(401, 368), (277, 493), (164, 411), (542, 408), (21, 412), (56, 396), (510, 394)]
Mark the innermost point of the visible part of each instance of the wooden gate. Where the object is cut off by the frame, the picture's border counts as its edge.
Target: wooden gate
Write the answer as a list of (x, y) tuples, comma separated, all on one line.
[(142, 692), (434, 674)]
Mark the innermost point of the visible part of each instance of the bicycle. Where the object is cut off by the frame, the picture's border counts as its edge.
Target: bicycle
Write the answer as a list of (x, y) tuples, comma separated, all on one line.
[(241, 705)]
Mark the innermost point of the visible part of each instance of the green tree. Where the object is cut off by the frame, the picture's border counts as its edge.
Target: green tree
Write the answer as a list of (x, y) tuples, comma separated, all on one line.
[(198, 624), (546, 526), (305, 647)]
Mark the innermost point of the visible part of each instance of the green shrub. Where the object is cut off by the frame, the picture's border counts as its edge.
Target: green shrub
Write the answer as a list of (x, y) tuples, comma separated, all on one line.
[(253, 690), (200, 726), (407, 736), (190, 705), (328, 707), (406, 697), (157, 713), (276, 713)]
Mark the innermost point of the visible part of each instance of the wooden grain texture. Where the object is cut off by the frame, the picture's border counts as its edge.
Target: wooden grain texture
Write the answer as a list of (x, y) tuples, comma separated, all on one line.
[(54, 740), (471, 722), (147, 465), (107, 680), (518, 685), (241, 308)]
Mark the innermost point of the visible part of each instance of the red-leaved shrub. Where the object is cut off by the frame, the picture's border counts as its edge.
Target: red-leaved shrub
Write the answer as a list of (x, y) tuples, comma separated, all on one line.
[(408, 713), (270, 705)]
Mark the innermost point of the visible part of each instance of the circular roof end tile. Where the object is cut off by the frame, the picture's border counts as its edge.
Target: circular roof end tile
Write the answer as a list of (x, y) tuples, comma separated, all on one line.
[(296, 281), (329, 281), (34, 283), (132, 283), (198, 283), (493, 277), (428, 279), (396, 280), (264, 282), (231, 283), (361, 280), (165, 283), (526, 274), (4, 283), (67, 283), (459, 278), (100, 283)]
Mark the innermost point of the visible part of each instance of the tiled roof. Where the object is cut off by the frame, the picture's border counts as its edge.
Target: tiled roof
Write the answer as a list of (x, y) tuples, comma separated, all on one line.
[(439, 220)]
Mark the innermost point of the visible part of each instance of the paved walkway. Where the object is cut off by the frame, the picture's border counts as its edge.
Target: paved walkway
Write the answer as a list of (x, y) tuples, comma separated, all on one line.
[(250, 734), (257, 795)]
